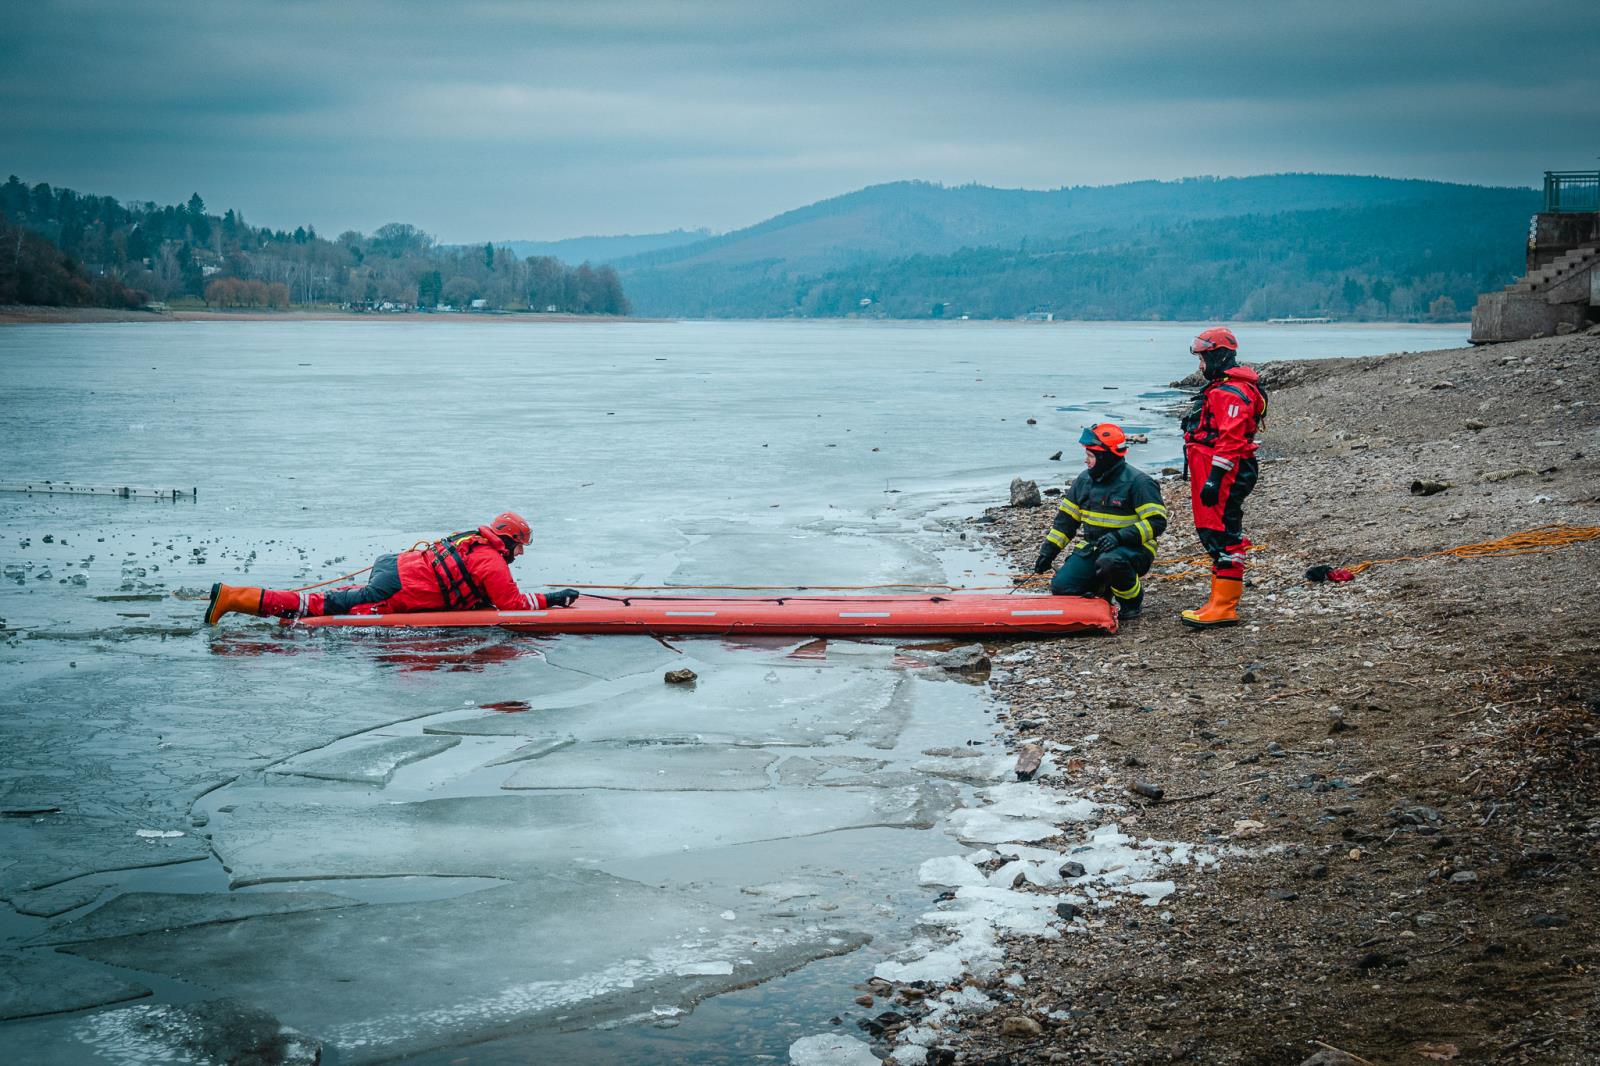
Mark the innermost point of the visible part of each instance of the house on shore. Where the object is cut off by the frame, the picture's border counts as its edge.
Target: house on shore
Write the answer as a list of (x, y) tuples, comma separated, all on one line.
[(1560, 293)]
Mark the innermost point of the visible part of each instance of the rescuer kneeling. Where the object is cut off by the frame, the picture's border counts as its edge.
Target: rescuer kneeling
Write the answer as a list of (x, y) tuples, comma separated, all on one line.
[(1118, 510), (463, 572), (1219, 449)]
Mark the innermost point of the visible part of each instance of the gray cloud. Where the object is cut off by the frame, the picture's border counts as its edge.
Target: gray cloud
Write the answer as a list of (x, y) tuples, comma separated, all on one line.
[(495, 119)]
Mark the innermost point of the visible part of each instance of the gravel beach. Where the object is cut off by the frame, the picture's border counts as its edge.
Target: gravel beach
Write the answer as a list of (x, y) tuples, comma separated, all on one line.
[(1398, 773)]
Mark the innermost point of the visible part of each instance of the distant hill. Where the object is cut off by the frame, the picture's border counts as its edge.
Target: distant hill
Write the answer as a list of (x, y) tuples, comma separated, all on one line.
[(599, 250), (915, 249)]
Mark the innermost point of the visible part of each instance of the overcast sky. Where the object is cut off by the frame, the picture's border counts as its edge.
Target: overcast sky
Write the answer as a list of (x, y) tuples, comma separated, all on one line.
[(518, 118)]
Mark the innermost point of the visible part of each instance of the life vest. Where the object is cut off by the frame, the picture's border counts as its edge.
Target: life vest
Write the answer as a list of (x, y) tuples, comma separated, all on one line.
[(1199, 424), (456, 586)]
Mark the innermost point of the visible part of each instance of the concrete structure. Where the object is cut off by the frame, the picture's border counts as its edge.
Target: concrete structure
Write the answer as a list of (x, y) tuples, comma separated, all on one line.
[(1561, 290)]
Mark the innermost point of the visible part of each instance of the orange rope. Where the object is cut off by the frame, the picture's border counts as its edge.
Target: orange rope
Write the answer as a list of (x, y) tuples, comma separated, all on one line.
[(1536, 541), (1530, 542), (353, 573), (1202, 562)]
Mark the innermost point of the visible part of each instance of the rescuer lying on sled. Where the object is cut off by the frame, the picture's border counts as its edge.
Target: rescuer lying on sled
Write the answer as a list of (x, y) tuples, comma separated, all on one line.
[(1118, 510), (462, 572)]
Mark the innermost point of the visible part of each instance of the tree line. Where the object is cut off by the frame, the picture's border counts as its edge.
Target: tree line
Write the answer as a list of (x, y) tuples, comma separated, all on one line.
[(60, 247)]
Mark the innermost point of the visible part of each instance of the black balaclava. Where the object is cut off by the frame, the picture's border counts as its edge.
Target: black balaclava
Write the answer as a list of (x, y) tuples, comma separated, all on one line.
[(1217, 361), (1106, 463)]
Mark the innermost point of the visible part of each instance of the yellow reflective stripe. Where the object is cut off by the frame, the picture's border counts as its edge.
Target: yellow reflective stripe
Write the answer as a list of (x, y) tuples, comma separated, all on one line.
[(1147, 535), (1150, 510), (1109, 521), (1071, 509), (1056, 537), (1127, 594)]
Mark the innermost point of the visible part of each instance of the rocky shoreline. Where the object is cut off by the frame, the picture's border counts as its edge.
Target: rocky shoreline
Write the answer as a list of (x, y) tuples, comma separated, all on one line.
[(1397, 774)]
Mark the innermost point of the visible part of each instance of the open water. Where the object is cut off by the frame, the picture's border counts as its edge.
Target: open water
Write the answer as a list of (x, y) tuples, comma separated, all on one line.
[(478, 847)]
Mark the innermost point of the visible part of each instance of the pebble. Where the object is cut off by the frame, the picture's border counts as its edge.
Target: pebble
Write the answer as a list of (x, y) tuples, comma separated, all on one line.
[(1018, 1027), (1463, 877), (680, 677)]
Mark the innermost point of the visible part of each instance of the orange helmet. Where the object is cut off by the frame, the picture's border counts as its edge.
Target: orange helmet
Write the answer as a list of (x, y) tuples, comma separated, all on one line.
[(1214, 338), (511, 528), (1107, 436), (1218, 350)]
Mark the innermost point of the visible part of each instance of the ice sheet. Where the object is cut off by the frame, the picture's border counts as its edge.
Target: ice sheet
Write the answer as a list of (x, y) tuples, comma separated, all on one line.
[(648, 768), (573, 946), (516, 836), (370, 763), (42, 982)]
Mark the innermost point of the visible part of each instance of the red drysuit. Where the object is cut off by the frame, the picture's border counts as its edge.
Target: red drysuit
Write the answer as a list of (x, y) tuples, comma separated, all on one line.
[(1219, 446)]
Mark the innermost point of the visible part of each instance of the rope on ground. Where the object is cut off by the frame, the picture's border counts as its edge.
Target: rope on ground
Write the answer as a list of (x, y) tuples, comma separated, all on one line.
[(1193, 564), (1535, 541)]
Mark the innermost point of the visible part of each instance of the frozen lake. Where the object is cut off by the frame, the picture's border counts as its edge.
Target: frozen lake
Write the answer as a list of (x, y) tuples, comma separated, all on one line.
[(402, 845)]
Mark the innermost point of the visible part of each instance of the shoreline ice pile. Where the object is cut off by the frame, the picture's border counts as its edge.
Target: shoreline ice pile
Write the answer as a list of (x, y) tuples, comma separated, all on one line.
[(978, 908)]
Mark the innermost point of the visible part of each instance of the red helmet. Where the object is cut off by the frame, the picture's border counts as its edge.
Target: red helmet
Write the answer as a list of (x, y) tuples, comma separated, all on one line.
[(1214, 338), (1107, 436), (511, 528)]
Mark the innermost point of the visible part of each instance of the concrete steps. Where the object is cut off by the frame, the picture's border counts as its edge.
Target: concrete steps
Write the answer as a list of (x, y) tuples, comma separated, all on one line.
[(1556, 270)]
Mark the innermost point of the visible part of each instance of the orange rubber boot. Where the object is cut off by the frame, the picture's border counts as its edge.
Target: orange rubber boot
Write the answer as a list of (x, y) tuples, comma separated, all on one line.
[(1222, 609), (231, 599)]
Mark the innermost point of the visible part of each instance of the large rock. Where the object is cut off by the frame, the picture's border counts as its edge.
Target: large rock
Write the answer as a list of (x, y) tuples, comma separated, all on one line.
[(967, 659), (1024, 493)]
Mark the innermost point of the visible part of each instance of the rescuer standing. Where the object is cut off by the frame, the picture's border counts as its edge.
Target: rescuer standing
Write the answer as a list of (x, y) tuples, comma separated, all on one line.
[(1219, 440), (1118, 510), (462, 572)]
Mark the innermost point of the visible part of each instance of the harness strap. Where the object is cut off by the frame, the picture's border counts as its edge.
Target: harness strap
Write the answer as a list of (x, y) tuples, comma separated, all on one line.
[(456, 585)]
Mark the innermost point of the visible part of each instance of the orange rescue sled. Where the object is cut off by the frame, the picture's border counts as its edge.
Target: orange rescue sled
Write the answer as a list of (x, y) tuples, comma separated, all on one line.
[(818, 616)]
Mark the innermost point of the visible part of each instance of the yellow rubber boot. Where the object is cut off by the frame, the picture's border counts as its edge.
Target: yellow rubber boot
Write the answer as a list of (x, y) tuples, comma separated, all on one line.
[(1222, 609), (230, 599)]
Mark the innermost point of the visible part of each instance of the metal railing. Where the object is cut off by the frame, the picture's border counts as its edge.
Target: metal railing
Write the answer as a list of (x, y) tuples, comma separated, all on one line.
[(1571, 191)]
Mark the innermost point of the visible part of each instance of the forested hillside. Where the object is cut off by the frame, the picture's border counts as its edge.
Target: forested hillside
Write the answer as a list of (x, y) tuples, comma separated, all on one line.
[(1348, 247), (599, 250), (63, 247)]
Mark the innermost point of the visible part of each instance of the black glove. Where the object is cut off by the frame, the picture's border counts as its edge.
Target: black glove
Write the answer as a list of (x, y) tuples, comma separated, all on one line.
[(1047, 555), (562, 598), (1211, 491), (1105, 544)]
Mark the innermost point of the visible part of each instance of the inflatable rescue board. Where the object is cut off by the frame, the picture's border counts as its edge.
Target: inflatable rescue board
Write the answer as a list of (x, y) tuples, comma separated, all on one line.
[(819, 616)]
